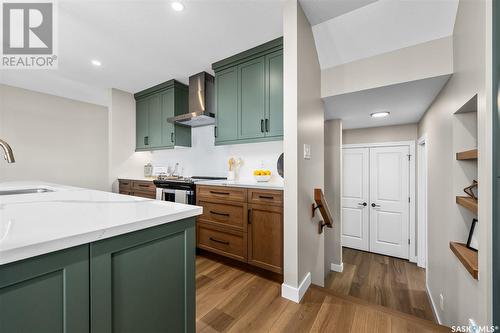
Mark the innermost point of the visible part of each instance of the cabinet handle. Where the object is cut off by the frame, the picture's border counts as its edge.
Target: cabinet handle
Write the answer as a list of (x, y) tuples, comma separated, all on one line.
[(250, 216), (266, 197), (375, 205), (143, 185), (220, 193), (215, 131), (219, 241), (146, 140), (217, 213), (262, 125), (172, 136), (362, 204), (267, 125)]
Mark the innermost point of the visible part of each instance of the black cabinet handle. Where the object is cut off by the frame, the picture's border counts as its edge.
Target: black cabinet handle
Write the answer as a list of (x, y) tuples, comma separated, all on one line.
[(267, 125), (250, 216), (375, 205), (266, 197), (172, 136), (364, 204), (217, 213), (219, 241), (215, 131), (262, 125), (220, 193), (143, 185), (146, 140)]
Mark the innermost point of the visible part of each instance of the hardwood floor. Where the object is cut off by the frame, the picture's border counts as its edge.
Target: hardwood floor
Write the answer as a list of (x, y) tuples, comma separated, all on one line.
[(230, 299), (387, 281)]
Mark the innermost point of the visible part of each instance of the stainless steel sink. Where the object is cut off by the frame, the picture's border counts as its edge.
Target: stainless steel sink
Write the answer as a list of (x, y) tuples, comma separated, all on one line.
[(25, 191)]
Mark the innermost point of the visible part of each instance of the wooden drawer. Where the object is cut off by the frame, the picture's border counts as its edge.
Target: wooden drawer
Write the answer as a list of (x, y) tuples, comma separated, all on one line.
[(232, 244), (143, 186), (267, 197), (149, 195), (125, 185), (221, 192), (226, 214)]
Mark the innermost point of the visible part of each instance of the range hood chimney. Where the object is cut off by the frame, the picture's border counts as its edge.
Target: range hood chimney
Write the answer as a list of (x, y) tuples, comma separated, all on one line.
[(201, 102)]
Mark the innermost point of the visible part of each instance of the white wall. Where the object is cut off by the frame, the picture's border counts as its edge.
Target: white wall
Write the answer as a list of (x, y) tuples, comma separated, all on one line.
[(54, 139), (303, 124), (403, 65), (407, 132), (333, 191), (206, 159), (123, 160), (464, 297)]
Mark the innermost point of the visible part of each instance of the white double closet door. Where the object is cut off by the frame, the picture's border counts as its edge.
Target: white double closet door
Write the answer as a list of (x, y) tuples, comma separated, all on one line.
[(375, 200)]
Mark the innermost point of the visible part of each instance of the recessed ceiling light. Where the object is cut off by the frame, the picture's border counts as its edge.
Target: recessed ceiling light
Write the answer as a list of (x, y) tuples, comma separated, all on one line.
[(380, 114), (96, 63), (177, 6)]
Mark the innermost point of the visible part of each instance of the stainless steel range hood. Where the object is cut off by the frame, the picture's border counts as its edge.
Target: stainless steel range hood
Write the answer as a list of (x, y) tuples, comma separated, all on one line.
[(201, 102)]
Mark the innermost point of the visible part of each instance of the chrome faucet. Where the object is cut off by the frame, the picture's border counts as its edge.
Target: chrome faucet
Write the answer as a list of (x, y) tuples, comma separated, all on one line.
[(8, 154)]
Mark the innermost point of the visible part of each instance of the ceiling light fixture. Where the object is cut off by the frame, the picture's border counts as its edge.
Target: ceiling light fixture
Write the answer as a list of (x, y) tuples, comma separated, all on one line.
[(177, 6), (96, 63), (379, 114)]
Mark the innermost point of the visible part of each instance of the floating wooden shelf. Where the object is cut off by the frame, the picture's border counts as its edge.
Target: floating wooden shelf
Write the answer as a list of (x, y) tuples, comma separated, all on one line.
[(468, 203), (467, 155), (467, 257)]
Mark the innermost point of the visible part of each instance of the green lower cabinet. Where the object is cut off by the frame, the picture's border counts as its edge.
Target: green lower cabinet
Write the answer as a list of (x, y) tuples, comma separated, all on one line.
[(145, 281), (46, 294), (142, 281)]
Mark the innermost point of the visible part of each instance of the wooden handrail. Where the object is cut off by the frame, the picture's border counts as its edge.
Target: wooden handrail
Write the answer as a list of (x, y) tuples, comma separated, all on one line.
[(320, 203)]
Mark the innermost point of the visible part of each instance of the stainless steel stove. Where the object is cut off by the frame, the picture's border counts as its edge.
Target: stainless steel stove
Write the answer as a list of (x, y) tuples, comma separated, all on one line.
[(179, 189)]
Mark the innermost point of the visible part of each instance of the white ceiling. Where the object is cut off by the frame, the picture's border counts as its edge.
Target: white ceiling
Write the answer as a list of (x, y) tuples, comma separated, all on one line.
[(406, 102), (143, 43), (382, 26), (318, 11)]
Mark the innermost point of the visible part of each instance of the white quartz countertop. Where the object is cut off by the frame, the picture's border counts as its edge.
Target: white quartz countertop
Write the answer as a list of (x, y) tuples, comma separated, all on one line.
[(39, 223), (271, 185)]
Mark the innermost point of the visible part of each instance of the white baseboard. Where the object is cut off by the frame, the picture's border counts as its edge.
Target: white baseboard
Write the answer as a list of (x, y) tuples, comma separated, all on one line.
[(337, 267), (433, 305), (296, 294)]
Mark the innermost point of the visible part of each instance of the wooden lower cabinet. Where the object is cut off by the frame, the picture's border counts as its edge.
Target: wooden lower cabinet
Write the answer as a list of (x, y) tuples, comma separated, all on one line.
[(265, 237), (248, 226), (137, 188), (143, 281)]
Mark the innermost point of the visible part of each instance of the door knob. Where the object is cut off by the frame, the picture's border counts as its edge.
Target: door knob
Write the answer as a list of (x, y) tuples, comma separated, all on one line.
[(364, 204), (375, 205)]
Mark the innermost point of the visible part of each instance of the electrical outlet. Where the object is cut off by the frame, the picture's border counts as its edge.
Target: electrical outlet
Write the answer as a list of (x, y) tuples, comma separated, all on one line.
[(307, 151), (441, 302)]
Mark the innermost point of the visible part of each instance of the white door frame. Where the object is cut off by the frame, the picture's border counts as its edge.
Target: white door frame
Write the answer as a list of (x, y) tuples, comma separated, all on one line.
[(411, 144), (422, 202)]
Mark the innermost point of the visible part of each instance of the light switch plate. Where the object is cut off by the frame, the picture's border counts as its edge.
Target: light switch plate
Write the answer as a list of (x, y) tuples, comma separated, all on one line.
[(307, 151)]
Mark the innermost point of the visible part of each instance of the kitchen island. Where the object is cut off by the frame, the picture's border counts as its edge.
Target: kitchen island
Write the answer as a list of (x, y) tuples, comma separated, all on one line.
[(77, 260)]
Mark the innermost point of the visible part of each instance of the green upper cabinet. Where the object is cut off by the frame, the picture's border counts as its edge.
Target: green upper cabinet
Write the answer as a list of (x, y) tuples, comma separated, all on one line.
[(252, 93), (274, 106), (153, 107), (249, 95), (226, 83)]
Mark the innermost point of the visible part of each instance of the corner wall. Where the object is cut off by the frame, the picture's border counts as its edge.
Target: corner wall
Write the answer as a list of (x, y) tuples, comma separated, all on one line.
[(333, 192), (303, 124), (464, 297)]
